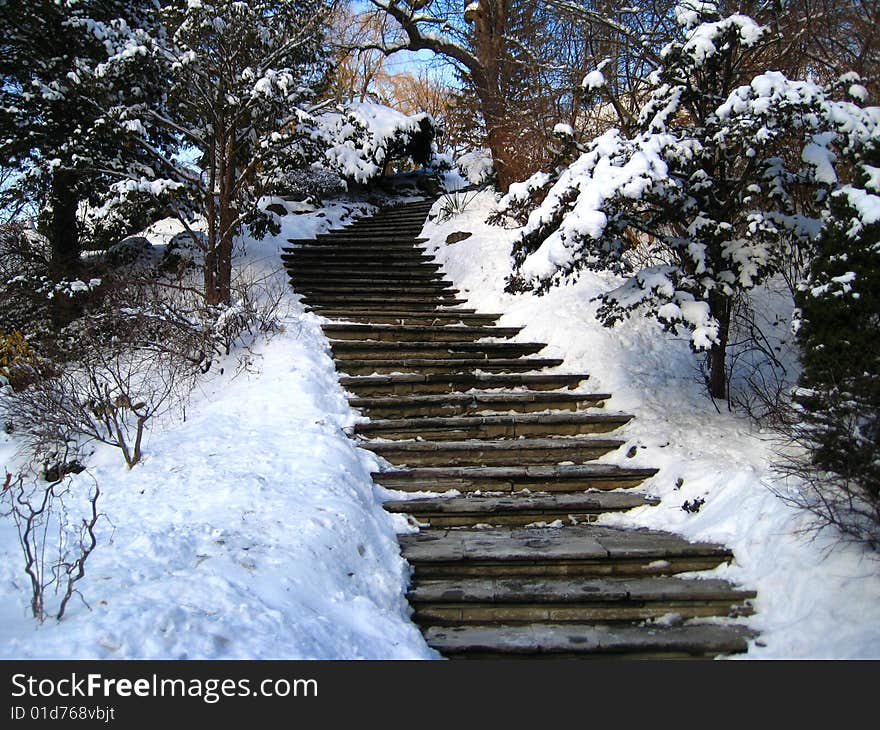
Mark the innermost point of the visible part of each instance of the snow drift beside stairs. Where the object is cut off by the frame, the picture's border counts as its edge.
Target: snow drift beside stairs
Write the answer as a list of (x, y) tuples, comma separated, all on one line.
[(812, 601), (251, 530)]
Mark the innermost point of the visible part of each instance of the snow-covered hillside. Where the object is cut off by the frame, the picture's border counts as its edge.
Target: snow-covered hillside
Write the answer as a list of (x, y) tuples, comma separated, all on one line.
[(812, 601), (250, 530)]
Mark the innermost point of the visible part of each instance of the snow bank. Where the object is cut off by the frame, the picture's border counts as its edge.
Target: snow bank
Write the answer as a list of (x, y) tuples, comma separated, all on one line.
[(812, 601), (250, 530)]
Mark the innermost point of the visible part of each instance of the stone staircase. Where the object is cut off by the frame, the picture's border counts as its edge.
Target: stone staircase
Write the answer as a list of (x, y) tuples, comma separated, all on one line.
[(511, 566)]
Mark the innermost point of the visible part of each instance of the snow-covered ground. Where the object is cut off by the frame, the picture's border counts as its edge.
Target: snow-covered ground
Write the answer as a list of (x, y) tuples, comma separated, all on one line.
[(250, 530), (813, 601)]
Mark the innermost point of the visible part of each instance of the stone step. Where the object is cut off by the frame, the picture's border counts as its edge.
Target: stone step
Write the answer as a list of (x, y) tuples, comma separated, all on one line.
[(353, 289), (449, 404), (555, 478), (400, 228), (439, 317), (396, 302), (357, 272), (578, 550), (292, 254), (425, 384), (382, 235), (413, 256), (438, 366), (588, 641), (478, 452), (369, 284), (516, 510), (417, 333), (493, 427), (367, 268), (573, 600), (382, 350)]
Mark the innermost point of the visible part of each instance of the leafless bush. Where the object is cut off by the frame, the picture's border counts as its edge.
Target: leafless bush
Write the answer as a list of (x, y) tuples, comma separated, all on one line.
[(55, 546)]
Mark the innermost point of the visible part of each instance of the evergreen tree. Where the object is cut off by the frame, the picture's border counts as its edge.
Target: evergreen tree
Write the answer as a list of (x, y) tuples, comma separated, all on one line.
[(839, 336), (722, 183), (55, 95), (241, 80)]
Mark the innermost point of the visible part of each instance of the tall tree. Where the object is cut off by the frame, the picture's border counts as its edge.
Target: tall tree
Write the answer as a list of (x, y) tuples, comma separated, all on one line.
[(722, 183), (53, 124), (241, 79)]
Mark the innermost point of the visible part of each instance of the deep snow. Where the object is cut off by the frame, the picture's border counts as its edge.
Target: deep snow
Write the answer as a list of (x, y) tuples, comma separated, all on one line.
[(250, 530)]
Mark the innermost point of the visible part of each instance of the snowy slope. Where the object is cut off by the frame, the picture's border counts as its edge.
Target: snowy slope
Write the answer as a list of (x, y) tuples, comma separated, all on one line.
[(812, 602), (250, 530)]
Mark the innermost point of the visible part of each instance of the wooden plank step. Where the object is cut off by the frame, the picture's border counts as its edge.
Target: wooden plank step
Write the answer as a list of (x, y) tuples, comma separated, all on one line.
[(450, 404), (502, 426), (534, 478), (423, 384), (438, 366), (383, 349), (516, 511), (587, 640), (410, 333), (478, 452), (585, 550)]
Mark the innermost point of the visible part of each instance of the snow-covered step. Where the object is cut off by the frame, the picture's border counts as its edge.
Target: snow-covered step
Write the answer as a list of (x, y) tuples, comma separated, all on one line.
[(515, 510), (356, 255), (492, 427), (313, 280), (466, 403), (586, 640), (533, 478), (382, 349), (408, 333), (443, 366), (443, 383), (582, 550)]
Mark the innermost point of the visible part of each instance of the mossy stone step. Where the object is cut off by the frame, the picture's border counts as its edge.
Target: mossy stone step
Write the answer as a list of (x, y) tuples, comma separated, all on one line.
[(410, 333), (417, 383), (515, 510), (502, 426), (696, 640), (382, 349), (464, 403), (583, 550), (479, 452), (551, 478), (438, 366)]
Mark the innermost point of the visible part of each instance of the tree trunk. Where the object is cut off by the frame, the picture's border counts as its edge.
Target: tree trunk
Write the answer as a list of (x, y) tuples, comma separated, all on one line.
[(721, 307), (63, 233)]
